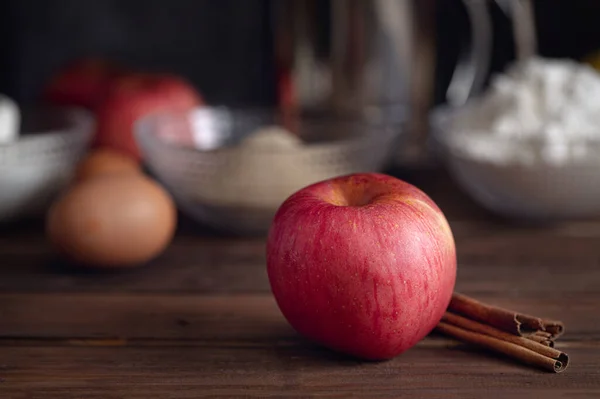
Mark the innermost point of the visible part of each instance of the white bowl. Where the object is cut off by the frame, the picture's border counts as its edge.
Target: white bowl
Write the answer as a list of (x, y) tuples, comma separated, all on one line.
[(36, 167), (536, 192)]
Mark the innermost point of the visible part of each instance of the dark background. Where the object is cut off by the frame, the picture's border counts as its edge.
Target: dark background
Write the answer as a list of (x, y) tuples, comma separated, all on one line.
[(565, 29), (225, 47), (221, 46)]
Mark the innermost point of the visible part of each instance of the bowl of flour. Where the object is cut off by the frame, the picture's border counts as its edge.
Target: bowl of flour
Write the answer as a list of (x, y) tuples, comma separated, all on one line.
[(528, 147), (232, 168)]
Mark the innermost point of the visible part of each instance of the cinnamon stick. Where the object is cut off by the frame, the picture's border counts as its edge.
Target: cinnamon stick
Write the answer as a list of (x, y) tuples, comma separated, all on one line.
[(515, 351), (506, 320), (541, 337), (522, 337), (517, 347)]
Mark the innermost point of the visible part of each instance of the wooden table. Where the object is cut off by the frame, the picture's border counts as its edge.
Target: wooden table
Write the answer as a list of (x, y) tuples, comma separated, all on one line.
[(200, 322)]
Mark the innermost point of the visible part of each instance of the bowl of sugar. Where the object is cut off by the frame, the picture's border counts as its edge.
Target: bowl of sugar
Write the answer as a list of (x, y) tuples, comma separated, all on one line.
[(529, 147)]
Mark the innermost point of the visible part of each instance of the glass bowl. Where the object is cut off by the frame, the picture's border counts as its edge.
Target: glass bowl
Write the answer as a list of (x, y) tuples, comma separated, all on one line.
[(531, 191), (36, 167), (205, 160)]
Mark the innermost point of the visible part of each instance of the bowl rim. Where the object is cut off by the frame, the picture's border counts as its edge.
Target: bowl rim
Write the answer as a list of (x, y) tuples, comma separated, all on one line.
[(62, 145), (80, 122), (145, 135)]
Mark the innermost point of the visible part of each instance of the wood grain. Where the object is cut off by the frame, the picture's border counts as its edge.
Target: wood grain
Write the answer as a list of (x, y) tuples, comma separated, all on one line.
[(278, 370), (199, 321), (189, 265), (226, 317), (565, 259)]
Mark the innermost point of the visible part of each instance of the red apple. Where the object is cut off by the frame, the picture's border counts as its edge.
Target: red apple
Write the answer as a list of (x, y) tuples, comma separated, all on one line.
[(136, 96), (82, 83), (364, 264)]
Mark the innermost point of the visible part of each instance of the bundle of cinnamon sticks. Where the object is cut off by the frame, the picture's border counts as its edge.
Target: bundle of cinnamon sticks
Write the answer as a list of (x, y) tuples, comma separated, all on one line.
[(519, 336)]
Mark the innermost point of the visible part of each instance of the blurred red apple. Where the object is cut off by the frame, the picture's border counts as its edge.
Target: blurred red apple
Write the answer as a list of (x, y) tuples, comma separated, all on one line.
[(136, 96), (82, 83), (364, 264)]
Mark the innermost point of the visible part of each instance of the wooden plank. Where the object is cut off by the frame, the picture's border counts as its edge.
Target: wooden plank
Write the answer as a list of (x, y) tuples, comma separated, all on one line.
[(495, 257), (146, 333), (190, 264), (142, 316), (274, 370), (193, 317), (549, 261)]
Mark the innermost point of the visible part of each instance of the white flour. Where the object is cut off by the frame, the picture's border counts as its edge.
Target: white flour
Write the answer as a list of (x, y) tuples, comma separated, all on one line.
[(263, 171), (539, 112)]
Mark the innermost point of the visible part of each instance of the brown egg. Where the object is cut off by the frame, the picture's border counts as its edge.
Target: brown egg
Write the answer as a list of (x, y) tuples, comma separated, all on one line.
[(105, 161), (112, 221)]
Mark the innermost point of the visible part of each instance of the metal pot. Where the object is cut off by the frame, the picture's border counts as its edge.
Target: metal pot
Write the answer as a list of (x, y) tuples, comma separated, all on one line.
[(349, 55)]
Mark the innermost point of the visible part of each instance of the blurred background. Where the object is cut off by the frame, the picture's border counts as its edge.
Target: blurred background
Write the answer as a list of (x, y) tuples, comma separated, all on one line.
[(226, 48), (231, 106)]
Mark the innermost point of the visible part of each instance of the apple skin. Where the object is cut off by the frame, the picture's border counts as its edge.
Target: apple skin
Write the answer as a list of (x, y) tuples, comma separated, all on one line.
[(364, 264), (135, 96), (82, 83)]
